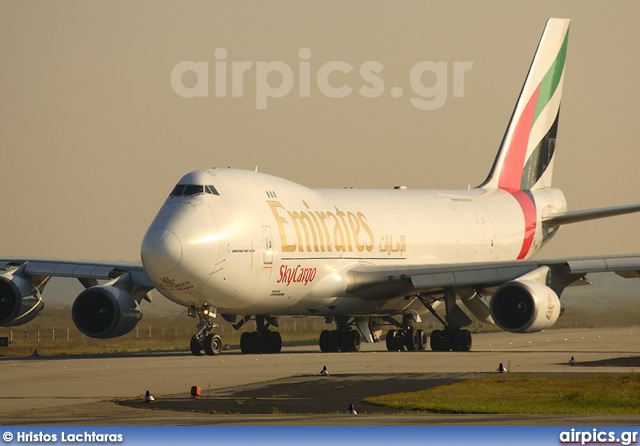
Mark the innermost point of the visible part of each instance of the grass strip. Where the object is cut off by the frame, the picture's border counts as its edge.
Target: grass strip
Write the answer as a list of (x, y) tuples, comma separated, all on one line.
[(588, 394)]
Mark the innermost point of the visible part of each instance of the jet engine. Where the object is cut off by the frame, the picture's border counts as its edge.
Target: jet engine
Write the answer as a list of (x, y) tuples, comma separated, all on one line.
[(105, 312), (525, 306), (20, 301)]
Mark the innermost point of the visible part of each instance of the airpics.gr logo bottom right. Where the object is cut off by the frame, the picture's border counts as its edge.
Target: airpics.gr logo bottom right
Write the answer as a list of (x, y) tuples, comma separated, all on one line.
[(596, 436)]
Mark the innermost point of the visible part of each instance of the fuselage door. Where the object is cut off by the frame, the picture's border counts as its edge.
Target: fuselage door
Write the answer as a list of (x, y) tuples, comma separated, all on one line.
[(267, 256)]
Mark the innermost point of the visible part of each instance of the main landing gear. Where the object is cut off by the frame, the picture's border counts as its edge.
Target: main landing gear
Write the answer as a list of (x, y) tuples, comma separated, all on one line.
[(204, 342), (262, 340), (407, 337), (343, 339), (452, 337), (449, 339)]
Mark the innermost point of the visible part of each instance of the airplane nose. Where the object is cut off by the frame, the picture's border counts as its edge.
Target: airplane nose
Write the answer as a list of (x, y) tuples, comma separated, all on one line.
[(180, 248), (161, 251)]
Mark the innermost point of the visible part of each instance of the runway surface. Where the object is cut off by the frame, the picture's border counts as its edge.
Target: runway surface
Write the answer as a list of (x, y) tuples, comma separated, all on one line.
[(286, 389)]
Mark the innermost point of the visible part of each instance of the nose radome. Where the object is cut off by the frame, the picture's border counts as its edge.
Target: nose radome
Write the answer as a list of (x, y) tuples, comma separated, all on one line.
[(161, 251), (180, 248)]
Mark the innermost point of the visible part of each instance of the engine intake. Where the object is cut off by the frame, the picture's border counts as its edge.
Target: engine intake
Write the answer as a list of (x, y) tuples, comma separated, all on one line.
[(525, 306), (105, 312), (20, 301)]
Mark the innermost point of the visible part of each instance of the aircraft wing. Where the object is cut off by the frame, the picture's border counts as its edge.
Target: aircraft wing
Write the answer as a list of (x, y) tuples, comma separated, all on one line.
[(88, 273), (384, 282), (100, 311)]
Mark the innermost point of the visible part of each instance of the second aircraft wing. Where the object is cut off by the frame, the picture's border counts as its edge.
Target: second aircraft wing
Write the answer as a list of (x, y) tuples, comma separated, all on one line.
[(384, 282)]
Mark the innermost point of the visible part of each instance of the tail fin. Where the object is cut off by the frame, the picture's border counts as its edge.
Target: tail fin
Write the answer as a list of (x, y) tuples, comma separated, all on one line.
[(525, 158)]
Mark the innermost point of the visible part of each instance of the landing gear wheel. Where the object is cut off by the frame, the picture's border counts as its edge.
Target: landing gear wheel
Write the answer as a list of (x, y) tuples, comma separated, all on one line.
[(249, 342), (254, 342), (422, 339), (351, 341), (196, 347), (325, 341), (264, 342), (390, 341), (334, 341), (439, 341), (435, 335), (394, 341), (411, 340), (244, 342), (461, 341), (445, 342), (273, 342), (212, 344), (344, 342), (260, 342)]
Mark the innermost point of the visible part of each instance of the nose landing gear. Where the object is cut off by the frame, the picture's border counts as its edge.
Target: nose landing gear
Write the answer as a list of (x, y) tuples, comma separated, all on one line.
[(204, 342)]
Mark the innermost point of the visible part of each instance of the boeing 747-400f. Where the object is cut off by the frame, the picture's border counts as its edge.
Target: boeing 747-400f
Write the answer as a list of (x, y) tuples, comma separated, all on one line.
[(246, 245)]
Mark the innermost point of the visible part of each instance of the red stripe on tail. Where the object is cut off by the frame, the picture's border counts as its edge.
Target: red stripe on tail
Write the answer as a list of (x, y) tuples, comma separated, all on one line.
[(511, 173)]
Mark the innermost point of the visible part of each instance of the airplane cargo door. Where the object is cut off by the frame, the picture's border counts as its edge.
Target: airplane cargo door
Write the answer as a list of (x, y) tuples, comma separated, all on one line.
[(267, 256)]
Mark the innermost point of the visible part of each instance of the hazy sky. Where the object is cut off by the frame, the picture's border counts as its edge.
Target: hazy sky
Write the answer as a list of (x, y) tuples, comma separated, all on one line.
[(93, 136)]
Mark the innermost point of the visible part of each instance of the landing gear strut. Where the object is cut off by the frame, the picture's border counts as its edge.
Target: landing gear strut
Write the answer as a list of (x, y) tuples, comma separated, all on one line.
[(262, 340), (204, 342), (407, 337), (343, 339)]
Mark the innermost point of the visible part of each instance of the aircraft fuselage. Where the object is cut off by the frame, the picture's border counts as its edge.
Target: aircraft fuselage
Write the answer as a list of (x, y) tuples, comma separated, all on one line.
[(265, 245)]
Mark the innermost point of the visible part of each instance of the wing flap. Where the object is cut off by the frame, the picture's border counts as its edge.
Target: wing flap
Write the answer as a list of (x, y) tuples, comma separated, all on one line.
[(586, 265), (485, 276), (618, 264), (56, 269), (434, 280)]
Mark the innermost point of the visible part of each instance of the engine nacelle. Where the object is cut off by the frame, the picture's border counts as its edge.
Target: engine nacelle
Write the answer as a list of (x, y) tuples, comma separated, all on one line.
[(525, 306), (105, 312), (20, 301)]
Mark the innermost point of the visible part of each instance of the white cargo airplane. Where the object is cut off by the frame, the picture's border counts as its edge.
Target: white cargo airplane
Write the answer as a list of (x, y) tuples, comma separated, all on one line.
[(249, 245)]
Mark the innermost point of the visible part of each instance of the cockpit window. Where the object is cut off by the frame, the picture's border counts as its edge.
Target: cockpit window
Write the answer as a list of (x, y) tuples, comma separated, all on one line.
[(211, 190), (177, 191), (192, 189), (189, 190)]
